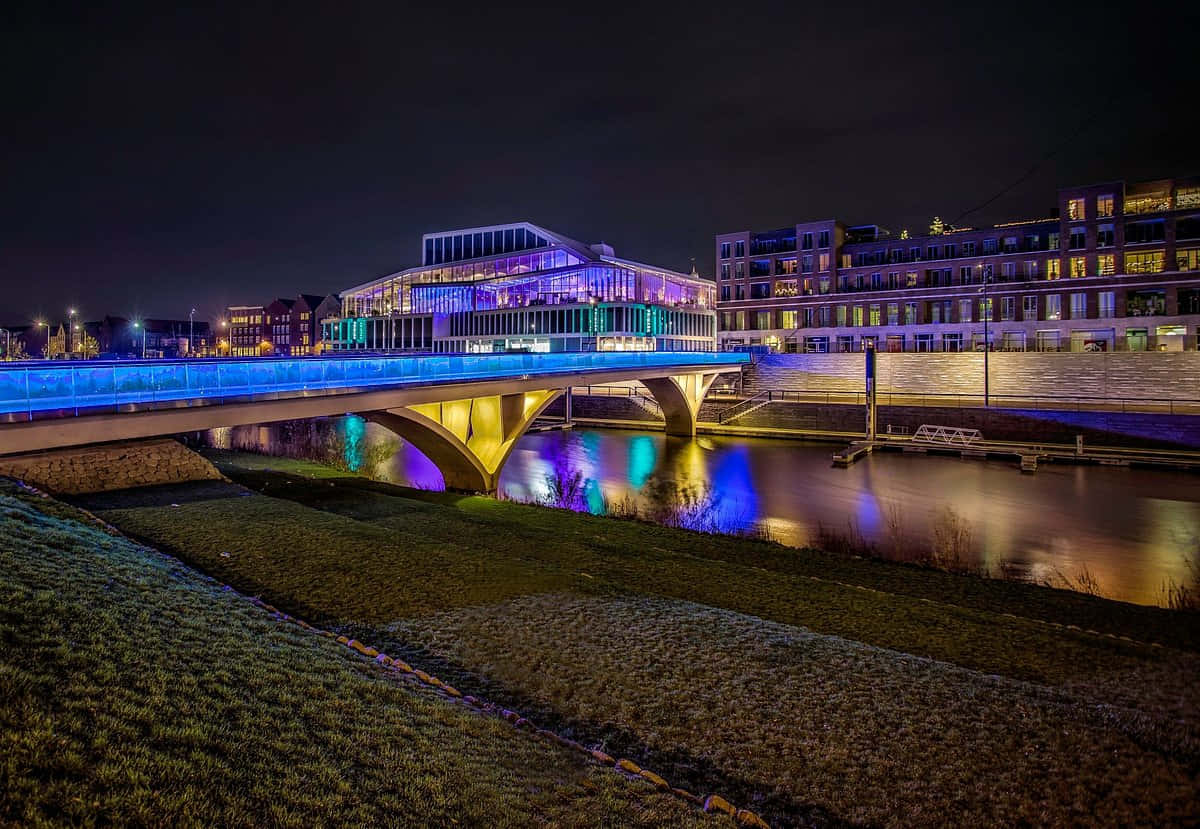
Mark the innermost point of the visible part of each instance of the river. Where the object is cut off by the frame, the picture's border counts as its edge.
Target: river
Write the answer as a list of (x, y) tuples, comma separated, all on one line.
[(1130, 529)]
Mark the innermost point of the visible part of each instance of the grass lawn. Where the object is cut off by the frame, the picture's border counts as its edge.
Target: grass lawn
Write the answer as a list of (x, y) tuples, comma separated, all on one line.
[(805, 686), (134, 690)]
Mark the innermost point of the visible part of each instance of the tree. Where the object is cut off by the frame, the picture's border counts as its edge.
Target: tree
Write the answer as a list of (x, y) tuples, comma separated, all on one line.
[(17, 350), (937, 226), (87, 345)]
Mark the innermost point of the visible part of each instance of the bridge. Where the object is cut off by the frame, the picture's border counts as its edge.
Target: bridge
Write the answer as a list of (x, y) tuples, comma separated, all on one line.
[(465, 412)]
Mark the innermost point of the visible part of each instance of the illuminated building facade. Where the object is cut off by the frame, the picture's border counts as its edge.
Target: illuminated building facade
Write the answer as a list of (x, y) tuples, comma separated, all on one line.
[(285, 327), (1117, 268), (520, 287)]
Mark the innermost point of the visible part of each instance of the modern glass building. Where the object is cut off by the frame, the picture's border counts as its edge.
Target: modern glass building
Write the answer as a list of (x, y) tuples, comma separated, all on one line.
[(520, 287)]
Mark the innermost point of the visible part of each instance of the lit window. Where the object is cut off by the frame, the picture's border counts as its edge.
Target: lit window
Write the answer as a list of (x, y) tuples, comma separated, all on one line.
[(1075, 209), (1053, 268), (876, 315), (1054, 306), (1029, 307), (1150, 261), (964, 310), (824, 261), (1104, 205), (1078, 266), (1104, 264), (1187, 260), (1106, 304)]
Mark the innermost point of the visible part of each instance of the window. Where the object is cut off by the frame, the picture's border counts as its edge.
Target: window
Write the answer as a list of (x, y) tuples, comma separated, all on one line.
[(739, 248), (985, 309), (875, 315), (739, 270), (876, 281), (952, 342), (845, 344), (1104, 205), (724, 270), (1137, 233), (1031, 269), (1150, 261), (762, 320), (964, 275), (806, 241), (786, 265), (893, 313), (1075, 209), (1105, 264), (823, 239), (858, 316), (910, 279), (741, 292), (910, 313), (760, 290), (760, 267), (1189, 300), (1145, 303), (893, 280), (841, 316), (824, 261), (968, 249), (806, 267), (1052, 241), (1009, 271), (1078, 239), (1104, 236), (785, 287), (1187, 260), (724, 293), (1106, 304), (1053, 267), (1078, 266), (789, 319), (964, 310), (1078, 305), (1029, 307), (1008, 308), (989, 246), (1010, 244), (1053, 306), (724, 250), (931, 252)]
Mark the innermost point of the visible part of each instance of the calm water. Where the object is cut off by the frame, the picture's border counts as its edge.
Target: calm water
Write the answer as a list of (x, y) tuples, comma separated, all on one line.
[(1130, 528)]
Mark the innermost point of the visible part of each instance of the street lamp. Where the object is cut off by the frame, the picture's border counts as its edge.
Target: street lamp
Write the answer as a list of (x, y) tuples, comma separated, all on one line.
[(71, 327), (139, 325), (191, 331), (985, 277), (46, 347)]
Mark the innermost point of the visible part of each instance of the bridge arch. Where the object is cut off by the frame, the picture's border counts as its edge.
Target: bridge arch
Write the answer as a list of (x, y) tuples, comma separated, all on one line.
[(468, 439)]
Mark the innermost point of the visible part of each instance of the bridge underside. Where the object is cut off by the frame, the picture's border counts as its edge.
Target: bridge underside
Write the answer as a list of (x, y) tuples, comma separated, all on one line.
[(467, 429)]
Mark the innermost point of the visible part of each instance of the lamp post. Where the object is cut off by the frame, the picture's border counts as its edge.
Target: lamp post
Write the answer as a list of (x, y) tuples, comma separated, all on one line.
[(139, 325), (985, 278), (191, 331), (71, 328)]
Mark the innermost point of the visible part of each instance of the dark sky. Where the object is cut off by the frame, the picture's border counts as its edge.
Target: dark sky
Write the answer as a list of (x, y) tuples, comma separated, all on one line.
[(156, 159)]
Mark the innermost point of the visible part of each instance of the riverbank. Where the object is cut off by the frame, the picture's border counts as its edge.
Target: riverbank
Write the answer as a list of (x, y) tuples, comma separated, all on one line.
[(136, 691), (808, 686)]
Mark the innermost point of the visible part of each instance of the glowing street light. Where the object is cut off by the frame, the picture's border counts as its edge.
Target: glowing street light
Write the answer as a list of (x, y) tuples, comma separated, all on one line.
[(139, 325)]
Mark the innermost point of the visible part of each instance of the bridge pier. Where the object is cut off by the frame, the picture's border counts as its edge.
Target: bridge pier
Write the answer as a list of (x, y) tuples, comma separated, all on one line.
[(679, 397), (469, 439)]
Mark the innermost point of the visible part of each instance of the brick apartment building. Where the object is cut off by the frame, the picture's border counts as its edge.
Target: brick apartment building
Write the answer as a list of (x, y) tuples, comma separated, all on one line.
[(1117, 268), (285, 327)]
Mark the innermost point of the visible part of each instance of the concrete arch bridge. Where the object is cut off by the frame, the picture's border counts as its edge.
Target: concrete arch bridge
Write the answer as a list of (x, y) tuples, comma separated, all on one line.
[(465, 412)]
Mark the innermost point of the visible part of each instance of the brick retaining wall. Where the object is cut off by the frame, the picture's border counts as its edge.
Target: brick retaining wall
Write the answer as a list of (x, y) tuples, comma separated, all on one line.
[(109, 466)]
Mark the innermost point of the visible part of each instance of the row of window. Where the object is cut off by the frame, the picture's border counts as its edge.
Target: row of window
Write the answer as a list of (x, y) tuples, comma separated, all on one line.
[(1033, 307), (649, 321), (775, 243), (456, 246)]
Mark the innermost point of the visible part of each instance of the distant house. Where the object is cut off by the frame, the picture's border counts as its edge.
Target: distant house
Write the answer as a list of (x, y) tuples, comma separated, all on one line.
[(283, 327)]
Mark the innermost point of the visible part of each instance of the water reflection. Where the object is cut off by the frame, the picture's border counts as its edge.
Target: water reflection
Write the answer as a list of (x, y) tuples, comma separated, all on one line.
[(1130, 528)]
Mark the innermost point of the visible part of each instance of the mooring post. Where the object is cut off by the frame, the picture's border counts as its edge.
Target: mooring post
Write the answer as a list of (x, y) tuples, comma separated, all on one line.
[(869, 360), (567, 404)]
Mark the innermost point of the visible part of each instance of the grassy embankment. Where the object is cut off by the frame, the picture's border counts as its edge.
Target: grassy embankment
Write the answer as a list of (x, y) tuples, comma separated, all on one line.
[(800, 684), (134, 690)]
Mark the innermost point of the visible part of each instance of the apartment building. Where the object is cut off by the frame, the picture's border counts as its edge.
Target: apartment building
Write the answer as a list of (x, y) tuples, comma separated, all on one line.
[(284, 327), (1115, 267)]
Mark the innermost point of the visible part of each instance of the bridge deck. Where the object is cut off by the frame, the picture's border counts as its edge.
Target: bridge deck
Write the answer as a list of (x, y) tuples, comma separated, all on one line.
[(31, 390)]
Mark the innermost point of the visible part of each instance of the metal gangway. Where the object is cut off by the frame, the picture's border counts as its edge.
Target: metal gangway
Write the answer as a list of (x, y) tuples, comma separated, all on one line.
[(946, 435)]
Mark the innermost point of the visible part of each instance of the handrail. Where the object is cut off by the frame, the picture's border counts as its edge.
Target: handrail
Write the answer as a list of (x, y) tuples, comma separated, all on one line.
[(960, 400), (52, 388), (740, 408)]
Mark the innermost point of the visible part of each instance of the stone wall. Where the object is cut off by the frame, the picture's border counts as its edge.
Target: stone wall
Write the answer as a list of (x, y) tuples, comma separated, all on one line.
[(1174, 375), (109, 466)]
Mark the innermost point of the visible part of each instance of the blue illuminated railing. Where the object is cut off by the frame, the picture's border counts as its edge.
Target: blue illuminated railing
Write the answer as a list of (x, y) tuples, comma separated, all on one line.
[(30, 388)]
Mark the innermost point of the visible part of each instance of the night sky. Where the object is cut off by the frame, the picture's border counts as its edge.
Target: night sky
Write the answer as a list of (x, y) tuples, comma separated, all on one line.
[(157, 159)]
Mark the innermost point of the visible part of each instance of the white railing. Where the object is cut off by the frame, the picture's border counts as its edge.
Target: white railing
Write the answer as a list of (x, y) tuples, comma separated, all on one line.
[(946, 435)]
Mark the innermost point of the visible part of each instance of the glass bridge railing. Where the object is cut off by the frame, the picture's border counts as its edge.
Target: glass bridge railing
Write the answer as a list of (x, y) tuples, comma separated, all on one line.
[(30, 388)]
